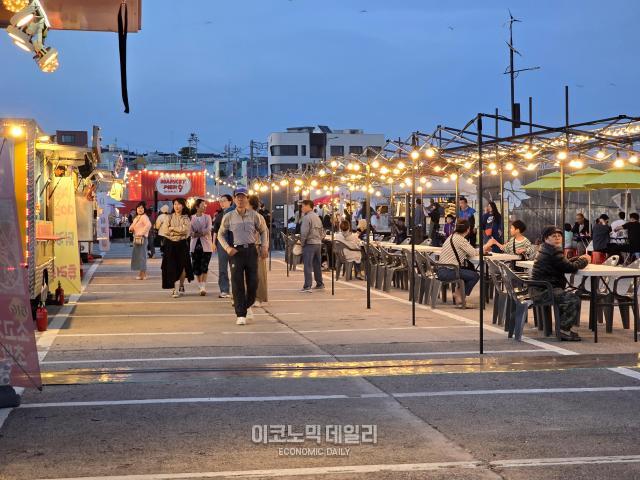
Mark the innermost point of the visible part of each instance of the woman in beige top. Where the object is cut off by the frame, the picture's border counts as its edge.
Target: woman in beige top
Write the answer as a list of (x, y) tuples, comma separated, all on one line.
[(176, 263), (140, 228)]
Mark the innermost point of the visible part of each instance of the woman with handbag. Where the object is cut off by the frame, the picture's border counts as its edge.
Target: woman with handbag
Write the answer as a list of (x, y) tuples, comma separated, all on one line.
[(201, 245), (139, 228), (457, 251), (176, 264)]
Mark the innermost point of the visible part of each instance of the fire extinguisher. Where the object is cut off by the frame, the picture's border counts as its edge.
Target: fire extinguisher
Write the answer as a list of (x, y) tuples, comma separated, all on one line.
[(42, 318), (60, 295)]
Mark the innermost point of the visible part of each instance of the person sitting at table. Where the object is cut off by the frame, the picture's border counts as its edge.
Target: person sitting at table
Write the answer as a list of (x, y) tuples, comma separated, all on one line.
[(633, 233), (581, 232), (352, 252), (552, 266), (518, 244), (450, 225), (399, 230), (601, 234), (456, 250)]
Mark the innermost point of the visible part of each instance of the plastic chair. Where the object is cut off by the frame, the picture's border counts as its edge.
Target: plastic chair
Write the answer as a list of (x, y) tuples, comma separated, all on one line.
[(598, 258), (621, 295), (499, 293), (440, 286), (347, 266)]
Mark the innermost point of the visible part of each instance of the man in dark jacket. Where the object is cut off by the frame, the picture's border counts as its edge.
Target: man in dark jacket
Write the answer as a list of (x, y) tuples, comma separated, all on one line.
[(551, 266)]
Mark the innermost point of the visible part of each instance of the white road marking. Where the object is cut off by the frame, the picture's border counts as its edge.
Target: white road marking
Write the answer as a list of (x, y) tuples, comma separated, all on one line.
[(296, 472), (298, 398), (274, 357), (174, 315), (127, 334), (545, 462)]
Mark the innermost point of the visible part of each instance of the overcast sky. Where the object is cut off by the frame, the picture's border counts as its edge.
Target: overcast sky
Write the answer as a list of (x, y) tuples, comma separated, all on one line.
[(236, 70)]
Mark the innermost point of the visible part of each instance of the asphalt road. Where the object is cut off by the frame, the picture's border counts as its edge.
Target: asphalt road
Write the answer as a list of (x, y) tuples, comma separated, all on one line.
[(142, 386)]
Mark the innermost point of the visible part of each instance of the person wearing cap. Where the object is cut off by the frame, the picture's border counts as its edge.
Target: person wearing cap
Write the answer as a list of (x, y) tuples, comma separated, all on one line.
[(245, 225), (552, 266)]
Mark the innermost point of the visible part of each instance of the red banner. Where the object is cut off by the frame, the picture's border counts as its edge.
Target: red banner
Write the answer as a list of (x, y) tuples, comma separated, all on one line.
[(17, 340)]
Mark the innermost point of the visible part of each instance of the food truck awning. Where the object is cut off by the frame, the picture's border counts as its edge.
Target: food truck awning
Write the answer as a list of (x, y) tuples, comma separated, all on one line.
[(88, 15)]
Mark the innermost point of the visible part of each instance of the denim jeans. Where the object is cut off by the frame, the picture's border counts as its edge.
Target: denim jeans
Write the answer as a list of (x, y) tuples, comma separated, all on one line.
[(223, 269), (469, 277), (312, 265)]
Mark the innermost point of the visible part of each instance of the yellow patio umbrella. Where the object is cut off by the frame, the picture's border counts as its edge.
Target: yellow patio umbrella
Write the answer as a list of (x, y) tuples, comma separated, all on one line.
[(578, 182), (550, 181), (626, 177)]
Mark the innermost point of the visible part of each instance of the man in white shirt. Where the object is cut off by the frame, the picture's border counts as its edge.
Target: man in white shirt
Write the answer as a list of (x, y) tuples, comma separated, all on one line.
[(616, 227)]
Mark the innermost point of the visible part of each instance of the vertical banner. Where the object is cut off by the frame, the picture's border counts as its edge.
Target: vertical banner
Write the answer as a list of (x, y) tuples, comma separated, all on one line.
[(18, 352), (103, 221), (65, 225)]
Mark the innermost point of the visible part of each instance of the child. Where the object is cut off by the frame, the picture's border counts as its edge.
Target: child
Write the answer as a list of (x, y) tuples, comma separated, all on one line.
[(450, 225)]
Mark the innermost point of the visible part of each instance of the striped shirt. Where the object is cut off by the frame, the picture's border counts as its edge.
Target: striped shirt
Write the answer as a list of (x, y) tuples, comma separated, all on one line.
[(463, 247), (512, 246)]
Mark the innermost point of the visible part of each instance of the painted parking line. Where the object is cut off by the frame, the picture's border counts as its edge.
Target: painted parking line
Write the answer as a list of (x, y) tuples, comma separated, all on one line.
[(174, 315), (276, 357), (344, 330), (139, 334), (366, 396), (377, 468)]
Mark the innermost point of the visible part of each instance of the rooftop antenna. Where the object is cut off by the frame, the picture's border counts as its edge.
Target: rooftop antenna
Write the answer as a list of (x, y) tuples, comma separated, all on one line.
[(513, 73)]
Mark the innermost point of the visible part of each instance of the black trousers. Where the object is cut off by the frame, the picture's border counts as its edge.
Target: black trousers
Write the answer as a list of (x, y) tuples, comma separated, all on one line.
[(244, 271)]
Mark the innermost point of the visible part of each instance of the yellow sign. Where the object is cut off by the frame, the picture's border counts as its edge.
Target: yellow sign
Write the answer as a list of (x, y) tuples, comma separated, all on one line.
[(65, 225)]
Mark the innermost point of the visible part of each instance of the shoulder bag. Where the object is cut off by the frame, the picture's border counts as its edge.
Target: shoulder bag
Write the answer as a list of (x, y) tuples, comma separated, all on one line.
[(466, 265)]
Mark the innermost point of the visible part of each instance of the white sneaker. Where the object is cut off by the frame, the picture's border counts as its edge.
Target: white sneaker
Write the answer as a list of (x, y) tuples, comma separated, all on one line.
[(175, 293), (249, 312), (224, 295), (241, 321), (257, 303), (203, 291)]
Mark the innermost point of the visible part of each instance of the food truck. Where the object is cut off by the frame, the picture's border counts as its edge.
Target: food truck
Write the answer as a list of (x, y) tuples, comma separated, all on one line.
[(40, 167)]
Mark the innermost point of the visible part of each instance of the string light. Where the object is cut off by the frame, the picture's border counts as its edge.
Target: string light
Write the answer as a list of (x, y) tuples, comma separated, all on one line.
[(562, 155)]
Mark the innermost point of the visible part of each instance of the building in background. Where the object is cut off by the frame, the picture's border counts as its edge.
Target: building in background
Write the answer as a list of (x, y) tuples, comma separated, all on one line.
[(301, 146)]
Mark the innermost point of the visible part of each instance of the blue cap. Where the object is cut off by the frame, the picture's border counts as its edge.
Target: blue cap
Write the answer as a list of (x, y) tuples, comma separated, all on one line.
[(241, 191)]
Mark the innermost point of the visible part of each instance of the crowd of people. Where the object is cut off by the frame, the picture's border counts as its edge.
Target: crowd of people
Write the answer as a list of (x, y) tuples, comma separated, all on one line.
[(238, 235)]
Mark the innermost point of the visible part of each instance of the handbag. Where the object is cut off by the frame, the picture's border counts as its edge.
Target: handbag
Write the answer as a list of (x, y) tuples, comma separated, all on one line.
[(297, 249), (466, 265), (138, 240)]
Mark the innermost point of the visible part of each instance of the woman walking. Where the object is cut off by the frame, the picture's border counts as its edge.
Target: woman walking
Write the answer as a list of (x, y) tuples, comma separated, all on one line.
[(139, 229), (201, 245), (491, 225), (262, 295), (176, 264)]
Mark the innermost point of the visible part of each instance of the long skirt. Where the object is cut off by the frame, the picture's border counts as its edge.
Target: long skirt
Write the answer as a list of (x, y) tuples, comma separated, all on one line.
[(200, 261), (262, 294), (139, 257), (175, 260)]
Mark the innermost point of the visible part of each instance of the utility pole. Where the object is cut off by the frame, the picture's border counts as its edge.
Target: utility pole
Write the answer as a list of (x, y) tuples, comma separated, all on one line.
[(255, 149), (193, 146), (513, 73)]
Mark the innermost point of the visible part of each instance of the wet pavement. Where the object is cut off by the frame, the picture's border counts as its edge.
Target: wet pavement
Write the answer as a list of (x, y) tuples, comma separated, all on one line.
[(143, 386)]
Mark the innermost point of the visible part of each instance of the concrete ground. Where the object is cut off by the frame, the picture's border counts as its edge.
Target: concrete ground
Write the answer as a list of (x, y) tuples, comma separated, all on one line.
[(142, 386)]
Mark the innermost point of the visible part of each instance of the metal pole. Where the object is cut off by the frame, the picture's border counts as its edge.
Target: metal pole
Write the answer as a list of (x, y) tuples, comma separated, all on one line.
[(286, 223), (414, 143), (482, 280), (562, 162), (270, 222), (512, 78), (501, 174), (368, 206), (333, 245)]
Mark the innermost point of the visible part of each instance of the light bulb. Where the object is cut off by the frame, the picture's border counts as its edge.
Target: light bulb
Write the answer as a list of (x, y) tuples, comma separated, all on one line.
[(633, 159), (492, 166), (618, 163), (415, 155), (528, 155), (430, 152), (401, 165), (600, 155), (334, 164), (384, 170), (514, 173), (437, 168), (562, 155), (375, 164), (423, 180), (508, 166)]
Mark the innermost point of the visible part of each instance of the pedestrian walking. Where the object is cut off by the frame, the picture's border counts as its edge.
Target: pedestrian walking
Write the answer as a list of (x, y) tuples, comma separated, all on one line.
[(176, 264), (262, 295), (201, 244), (139, 230), (226, 206), (245, 225), (164, 215), (311, 235), (151, 238)]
